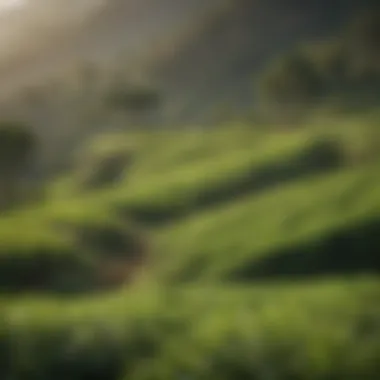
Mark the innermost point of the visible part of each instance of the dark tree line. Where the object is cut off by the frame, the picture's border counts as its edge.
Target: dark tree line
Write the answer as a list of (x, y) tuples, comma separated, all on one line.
[(345, 70), (82, 102), (18, 149)]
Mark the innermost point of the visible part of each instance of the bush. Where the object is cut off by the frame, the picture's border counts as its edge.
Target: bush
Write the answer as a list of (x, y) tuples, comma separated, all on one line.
[(44, 268), (324, 331), (17, 148), (102, 166)]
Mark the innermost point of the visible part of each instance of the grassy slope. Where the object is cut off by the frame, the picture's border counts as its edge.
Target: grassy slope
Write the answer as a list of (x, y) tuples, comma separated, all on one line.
[(205, 185), (321, 330), (303, 221), (318, 331), (177, 191)]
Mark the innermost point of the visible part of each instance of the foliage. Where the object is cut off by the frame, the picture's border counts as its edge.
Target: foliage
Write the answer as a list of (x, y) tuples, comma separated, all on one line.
[(17, 145), (17, 149), (325, 330), (292, 80), (309, 228), (311, 236), (65, 252), (138, 99), (344, 69), (97, 169)]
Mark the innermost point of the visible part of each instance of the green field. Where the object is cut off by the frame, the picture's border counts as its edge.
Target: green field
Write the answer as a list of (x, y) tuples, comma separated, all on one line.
[(261, 260)]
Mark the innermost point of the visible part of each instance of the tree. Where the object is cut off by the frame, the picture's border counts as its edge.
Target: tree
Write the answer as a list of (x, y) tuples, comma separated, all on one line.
[(291, 84), (17, 149), (293, 79), (343, 70), (364, 33), (134, 101), (105, 168)]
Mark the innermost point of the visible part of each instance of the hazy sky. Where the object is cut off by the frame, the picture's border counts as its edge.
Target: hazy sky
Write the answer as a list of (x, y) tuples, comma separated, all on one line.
[(7, 5), (27, 20), (39, 36), (33, 22)]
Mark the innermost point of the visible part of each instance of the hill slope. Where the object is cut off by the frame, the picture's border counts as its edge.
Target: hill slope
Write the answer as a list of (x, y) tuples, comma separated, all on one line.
[(203, 194), (199, 307), (203, 54)]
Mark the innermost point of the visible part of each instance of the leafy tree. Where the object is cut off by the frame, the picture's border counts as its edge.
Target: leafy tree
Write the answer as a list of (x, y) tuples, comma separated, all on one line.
[(293, 80), (105, 169), (291, 84), (17, 148), (134, 101), (344, 70), (330, 60), (364, 32)]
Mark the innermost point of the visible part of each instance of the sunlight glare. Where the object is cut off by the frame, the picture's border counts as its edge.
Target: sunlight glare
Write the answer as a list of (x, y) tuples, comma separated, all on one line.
[(11, 4)]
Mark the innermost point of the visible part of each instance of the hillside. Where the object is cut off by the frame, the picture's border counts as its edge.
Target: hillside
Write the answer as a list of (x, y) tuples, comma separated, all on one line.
[(179, 43), (196, 178), (141, 240), (200, 61), (325, 330), (219, 63), (240, 239)]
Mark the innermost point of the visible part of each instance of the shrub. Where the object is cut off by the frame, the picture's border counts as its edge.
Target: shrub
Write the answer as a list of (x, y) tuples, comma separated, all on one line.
[(17, 148)]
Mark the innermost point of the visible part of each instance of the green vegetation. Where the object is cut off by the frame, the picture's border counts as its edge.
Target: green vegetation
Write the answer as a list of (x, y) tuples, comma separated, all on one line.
[(317, 331), (343, 71), (239, 252), (254, 255), (17, 150), (65, 250), (310, 227)]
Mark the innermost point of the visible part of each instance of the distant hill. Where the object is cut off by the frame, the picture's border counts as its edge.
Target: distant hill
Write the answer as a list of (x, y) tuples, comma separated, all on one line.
[(204, 55), (218, 64)]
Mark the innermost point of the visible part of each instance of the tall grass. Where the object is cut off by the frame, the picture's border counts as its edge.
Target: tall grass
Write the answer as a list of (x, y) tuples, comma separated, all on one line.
[(327, 330)]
